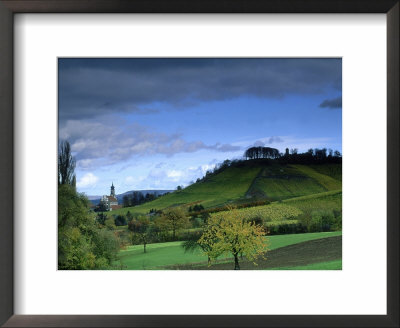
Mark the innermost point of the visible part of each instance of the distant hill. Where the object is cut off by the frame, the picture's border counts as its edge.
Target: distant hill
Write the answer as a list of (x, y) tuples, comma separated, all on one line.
[(96, 199), (252, 180)]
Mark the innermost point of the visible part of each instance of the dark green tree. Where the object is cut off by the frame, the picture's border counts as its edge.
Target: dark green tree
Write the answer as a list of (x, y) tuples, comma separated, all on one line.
[(66, 165), (101, 218), (129, 216), (125, 201), (120, 220)]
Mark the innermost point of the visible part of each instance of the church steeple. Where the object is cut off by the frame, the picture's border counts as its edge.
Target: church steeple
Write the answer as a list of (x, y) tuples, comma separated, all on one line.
[(112, 190)]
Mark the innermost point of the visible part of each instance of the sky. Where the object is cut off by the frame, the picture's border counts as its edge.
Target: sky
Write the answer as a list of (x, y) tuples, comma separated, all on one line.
[(156, 123)]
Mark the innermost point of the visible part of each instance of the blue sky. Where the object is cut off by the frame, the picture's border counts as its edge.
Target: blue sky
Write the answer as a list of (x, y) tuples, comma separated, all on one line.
[(159, 123)]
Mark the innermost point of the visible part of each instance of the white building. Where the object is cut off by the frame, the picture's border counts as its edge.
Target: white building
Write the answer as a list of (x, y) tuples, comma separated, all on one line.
[(110, 202)]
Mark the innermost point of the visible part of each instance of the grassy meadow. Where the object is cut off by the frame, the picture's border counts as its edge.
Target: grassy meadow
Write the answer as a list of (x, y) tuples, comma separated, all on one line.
[(165, 255)]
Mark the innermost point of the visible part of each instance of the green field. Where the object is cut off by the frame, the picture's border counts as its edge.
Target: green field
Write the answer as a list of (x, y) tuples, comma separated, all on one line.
[(313, 253), (161, 255), (330, 265)]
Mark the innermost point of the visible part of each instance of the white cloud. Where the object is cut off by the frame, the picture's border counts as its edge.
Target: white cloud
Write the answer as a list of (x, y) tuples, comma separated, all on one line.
[(174, 175), (169, 178), (206, 167), (129, 179), (88, 180), (84, 163), (133, 181), (104, 142)]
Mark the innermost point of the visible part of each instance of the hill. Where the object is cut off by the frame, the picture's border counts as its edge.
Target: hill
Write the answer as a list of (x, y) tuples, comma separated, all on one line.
[(253, 180)]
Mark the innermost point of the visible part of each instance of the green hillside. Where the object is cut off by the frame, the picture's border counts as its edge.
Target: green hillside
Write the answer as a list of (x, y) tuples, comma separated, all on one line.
[(219, 189), (254, 181), (324, 179), (332, 170), (278, 182)]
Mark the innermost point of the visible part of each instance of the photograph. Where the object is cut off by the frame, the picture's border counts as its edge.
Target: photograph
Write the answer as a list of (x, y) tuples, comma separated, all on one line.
[(199, 163)]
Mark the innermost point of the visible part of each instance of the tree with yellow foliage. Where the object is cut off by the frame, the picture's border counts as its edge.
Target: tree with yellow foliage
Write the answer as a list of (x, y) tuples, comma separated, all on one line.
[(229, 233)]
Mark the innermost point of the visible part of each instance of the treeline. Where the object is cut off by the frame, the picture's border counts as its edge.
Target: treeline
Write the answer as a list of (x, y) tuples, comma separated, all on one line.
[(199, 210), (315, 155), (137, 198), (261, 152)]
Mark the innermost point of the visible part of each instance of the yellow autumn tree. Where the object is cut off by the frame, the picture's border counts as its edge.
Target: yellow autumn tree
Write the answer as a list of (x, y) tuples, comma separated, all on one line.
[(229, 233)]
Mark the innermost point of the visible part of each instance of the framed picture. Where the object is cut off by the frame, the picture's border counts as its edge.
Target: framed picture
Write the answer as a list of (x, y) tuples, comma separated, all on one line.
[(212, 189), (164, 106)]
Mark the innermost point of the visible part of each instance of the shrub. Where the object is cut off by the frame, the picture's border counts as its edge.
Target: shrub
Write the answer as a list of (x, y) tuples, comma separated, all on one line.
[(120, 220), (101, 218), (129, 216), (196, 222), (337, 225), (321, 220), (283, 229), (110, 224)]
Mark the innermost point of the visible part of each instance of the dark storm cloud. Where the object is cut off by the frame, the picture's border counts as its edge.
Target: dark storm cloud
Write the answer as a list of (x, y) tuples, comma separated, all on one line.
[(95, 87), (332, 103), (273, 139)]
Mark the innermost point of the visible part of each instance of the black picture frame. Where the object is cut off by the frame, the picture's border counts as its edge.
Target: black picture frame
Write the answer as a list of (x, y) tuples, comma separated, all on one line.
[(10, 7)]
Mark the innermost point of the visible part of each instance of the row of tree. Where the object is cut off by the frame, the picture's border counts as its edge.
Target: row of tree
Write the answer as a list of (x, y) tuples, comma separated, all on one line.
[(273, 153), (261, 152), (170, 220), (223, 234), (311, 156), (137, 198)]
